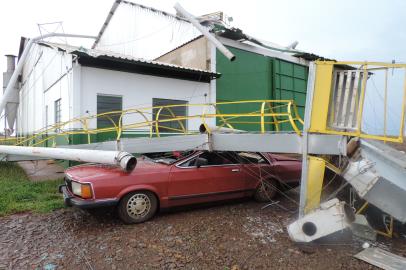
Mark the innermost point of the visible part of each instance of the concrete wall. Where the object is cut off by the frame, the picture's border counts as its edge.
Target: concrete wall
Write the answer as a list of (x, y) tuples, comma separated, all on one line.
[(195, 54), (138, 91)]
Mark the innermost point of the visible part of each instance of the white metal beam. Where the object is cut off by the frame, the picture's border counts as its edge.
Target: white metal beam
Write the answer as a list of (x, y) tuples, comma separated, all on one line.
[(305, 137), (263, 51), (288, 142)]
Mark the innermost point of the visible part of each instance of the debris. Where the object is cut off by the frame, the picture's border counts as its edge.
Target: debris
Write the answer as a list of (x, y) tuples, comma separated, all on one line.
[(382, 258), (361, 228), (365, 245), (377, 176), (331, 217), (262, 230), (50, 266)]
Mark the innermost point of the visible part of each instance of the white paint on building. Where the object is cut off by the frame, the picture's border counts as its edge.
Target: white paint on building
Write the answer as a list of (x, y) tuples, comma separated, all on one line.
[(138, 91), (52, 74), (46, 77)]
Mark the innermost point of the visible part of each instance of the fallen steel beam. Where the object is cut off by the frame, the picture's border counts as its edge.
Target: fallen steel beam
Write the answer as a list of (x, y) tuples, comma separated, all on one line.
[(287, 142), (331, 217), (378, 176), (150, 145), (382, 259), (117, 158)]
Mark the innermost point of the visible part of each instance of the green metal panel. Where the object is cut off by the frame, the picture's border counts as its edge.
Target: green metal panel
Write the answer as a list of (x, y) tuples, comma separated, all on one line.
[(247, 78), (290, 83), (253, 76)]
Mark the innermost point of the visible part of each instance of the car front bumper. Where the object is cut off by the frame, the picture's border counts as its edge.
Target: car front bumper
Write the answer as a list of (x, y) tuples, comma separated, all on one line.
[(71, 200)]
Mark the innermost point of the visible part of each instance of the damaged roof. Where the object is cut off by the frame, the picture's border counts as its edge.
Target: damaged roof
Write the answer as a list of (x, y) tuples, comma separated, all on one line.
[(120, 62)]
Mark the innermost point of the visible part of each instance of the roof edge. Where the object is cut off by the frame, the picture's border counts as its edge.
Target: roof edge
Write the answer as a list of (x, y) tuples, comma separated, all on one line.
[(114, 8), (106, 22), (102, 59)]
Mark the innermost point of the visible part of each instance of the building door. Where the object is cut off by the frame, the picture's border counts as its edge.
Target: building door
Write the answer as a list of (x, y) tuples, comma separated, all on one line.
[(107, 104)]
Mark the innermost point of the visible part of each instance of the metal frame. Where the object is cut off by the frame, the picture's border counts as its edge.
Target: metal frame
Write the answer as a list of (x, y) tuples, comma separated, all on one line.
[(306, 127), (266, 108), (323, 89), (318, 114)]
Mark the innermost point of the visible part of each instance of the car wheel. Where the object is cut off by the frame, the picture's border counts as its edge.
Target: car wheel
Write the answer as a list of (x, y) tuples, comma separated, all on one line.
[(266, 190), (137, 207)]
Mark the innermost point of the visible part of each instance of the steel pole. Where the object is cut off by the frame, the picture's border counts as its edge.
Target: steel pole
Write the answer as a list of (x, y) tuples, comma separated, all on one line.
[(205, 32), (306, 126), (117, 158)]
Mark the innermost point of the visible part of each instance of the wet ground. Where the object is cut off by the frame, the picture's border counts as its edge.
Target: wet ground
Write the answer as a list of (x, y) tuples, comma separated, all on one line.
[(228, 236), (41, 170)]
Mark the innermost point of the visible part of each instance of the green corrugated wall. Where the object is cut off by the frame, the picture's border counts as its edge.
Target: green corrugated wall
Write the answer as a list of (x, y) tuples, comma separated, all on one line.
[(253, 76)]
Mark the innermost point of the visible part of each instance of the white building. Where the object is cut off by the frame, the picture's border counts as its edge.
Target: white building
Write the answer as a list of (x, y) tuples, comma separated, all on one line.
[(61, 82)]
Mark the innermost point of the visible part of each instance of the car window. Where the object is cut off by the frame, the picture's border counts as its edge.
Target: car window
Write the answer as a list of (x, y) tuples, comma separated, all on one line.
[(248, 158), (213, 159), (188, 163)]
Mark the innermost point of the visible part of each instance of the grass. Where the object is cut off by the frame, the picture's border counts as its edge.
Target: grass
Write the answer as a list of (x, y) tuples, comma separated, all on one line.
[(18, 194)]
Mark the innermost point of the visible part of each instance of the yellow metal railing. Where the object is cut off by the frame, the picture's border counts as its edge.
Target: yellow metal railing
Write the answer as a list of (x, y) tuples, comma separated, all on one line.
[(323, 93), (155, 119)]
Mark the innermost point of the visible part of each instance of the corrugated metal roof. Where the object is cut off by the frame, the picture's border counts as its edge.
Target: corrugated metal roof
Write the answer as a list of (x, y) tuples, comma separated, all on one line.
[(114, 8), (98, 53)]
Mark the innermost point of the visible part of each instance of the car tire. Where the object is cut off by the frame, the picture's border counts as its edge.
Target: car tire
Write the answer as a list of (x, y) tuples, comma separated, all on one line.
[(137, 207), (266, 190)]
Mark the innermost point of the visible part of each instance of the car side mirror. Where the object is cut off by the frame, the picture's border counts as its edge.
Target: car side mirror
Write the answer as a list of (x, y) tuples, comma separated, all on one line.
[(201, 162)]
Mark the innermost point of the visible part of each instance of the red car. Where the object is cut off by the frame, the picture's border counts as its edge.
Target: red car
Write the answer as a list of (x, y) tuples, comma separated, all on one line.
[(180, 179)]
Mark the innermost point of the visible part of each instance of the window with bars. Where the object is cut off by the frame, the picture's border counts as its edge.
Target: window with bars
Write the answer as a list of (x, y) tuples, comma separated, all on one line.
[(107, 104), (170, 113), (57, 110)]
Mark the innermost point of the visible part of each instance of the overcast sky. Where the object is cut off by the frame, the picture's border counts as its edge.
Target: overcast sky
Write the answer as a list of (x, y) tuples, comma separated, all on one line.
[(339, 29)]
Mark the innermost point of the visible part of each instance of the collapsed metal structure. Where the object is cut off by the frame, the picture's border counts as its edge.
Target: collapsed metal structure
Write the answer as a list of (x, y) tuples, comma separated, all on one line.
[(333, 115)]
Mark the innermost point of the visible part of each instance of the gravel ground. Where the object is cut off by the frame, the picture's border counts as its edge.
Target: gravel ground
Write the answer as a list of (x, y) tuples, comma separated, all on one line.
[(226, 236)]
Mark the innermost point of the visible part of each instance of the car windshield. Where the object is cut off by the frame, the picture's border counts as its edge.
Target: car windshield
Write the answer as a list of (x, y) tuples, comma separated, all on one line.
[(167, 157)]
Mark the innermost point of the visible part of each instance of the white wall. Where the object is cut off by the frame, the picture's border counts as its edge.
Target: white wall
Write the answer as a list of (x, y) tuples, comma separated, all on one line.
[(46, 77), (138, 91), (49, 75)]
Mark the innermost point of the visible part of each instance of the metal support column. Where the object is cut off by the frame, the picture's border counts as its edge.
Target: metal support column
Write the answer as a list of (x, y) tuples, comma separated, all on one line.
[(306, 127)]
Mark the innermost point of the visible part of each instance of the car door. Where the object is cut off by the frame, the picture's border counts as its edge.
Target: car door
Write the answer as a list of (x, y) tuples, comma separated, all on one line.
[(221, 178), (288, 169), (255, 167)]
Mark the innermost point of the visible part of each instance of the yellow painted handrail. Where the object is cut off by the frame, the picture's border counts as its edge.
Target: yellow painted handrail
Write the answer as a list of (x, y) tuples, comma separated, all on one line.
[(323, 102), (287, 113)]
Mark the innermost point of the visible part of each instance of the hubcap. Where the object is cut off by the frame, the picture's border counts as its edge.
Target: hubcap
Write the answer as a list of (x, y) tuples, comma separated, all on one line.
[(138, 205)]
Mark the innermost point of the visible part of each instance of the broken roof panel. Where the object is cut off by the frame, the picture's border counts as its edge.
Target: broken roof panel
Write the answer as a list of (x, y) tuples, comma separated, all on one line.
[(152, 33), (148, 32)]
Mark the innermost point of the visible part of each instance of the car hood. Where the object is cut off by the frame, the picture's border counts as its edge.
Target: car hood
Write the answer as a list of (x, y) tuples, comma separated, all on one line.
[(98, 171)]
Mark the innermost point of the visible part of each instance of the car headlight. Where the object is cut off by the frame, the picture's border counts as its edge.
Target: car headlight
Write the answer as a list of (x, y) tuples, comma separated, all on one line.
[(82, 190)]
